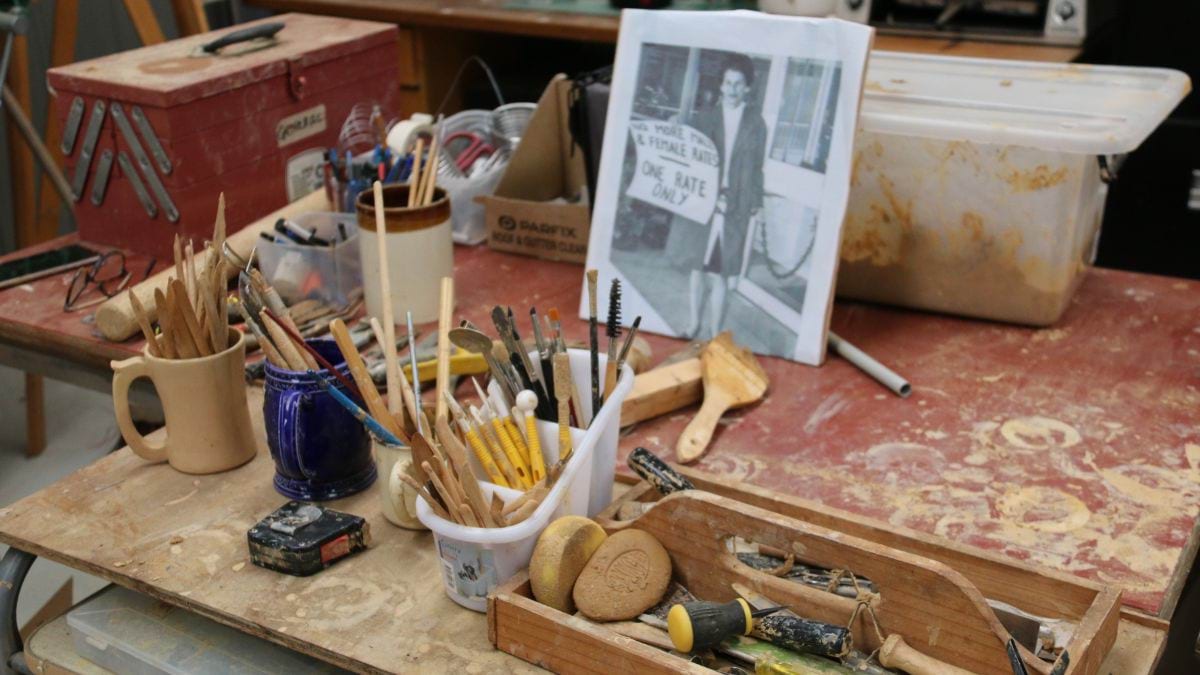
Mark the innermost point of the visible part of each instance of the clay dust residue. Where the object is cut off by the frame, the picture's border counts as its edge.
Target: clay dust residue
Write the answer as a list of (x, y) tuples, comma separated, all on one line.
[(1039, 177), (1103, 519)]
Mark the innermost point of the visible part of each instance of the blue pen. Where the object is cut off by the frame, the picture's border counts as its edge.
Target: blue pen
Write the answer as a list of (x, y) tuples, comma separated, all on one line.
[(361, 415), (394, 175)]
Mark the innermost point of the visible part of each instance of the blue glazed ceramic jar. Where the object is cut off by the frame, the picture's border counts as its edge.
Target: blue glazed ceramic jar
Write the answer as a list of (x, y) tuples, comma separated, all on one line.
[(321, 452)]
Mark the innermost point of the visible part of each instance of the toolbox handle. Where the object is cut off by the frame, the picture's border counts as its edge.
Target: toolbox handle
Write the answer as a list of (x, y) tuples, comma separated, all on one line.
[(263, 30)]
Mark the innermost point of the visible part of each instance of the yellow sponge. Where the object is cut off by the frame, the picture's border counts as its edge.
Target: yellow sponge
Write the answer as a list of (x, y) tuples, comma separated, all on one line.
[(560, 554)]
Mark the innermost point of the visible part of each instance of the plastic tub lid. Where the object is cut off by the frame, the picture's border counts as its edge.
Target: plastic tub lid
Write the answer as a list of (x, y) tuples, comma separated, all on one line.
[(1095, 110)]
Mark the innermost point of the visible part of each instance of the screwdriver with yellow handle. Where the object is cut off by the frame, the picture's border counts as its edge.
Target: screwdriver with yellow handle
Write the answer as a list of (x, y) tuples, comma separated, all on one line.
[(462, 362), (698, 625)]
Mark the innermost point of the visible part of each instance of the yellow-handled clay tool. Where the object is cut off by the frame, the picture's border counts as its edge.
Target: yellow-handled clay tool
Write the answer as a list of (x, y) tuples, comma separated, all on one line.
[(527, 403)]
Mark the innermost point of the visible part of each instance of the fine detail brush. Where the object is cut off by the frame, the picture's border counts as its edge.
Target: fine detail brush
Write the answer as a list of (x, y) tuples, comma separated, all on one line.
[(545, 350), (612, 328), (628, 342), (593, 341)]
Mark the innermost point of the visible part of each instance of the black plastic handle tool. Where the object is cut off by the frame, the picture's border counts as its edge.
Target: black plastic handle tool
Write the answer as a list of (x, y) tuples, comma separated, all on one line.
[(262, 30)]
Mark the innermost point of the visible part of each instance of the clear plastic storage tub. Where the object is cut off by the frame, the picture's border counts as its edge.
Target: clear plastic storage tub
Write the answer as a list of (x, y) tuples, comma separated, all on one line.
[(331, 274), (134, 634), (977, 186)]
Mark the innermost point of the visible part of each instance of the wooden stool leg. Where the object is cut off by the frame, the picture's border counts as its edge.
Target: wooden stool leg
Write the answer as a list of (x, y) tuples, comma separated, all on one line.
[(35, 418)]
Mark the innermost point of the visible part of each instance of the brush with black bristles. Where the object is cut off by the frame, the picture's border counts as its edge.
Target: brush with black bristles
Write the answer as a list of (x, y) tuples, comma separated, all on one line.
[(594, 344), (613, 330)]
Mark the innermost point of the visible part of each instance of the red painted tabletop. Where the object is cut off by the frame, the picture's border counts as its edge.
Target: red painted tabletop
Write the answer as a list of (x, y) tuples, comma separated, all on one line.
[(1075, 447)]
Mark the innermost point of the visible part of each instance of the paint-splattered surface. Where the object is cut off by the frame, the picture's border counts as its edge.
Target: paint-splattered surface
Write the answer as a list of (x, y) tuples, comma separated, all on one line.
[(1075, 447)]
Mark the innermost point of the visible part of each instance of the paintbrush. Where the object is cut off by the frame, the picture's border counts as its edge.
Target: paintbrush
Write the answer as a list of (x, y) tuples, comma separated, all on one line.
[(545, 352), (628, 343), (612, 328), (593, 341), (516, 353), (373, 426)]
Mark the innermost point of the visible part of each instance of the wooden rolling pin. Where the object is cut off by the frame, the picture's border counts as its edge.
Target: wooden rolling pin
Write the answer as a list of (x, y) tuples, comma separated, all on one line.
[(895, 653), (116, 319)]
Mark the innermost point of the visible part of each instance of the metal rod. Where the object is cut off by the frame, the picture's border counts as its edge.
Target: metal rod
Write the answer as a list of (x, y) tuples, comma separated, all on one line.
[(882, 374), (35, 143)]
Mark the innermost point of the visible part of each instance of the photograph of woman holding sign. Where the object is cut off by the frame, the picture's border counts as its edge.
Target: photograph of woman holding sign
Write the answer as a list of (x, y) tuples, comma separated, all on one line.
[(739, 132), (713, 199)]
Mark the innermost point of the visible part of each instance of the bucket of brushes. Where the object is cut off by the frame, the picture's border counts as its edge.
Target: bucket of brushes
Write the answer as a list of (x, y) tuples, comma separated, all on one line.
[(541, 461)]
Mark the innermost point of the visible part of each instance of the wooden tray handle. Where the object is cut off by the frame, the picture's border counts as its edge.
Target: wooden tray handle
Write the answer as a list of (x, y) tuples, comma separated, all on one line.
[(934, 608)]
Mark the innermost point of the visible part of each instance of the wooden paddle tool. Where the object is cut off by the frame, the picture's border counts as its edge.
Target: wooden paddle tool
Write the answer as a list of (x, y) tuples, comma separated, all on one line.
[(733, 378)]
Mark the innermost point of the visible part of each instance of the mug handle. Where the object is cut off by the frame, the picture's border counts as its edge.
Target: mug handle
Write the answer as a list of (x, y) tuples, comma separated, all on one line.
[(124, 373), (289, 444)]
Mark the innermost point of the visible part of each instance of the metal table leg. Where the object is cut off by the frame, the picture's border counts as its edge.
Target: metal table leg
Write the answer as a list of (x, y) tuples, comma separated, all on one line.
[(13, 568)]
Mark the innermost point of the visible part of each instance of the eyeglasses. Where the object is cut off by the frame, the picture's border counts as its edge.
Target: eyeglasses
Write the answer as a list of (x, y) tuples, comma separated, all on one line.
[(108, 274)]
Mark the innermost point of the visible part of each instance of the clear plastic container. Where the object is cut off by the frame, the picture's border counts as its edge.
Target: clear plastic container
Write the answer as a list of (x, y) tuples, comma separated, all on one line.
[(976, 185), (474, 559), (134, 634), (331, 274)]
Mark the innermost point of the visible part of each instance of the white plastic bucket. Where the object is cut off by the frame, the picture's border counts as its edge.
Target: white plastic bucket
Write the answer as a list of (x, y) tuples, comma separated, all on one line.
[(475, 559)]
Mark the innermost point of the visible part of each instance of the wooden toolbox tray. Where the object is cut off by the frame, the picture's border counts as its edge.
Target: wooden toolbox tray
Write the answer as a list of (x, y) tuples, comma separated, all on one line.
[(931, 590)]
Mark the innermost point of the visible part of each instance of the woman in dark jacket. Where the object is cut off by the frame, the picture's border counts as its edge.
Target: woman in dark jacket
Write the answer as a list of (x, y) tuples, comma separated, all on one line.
[(738, 130)]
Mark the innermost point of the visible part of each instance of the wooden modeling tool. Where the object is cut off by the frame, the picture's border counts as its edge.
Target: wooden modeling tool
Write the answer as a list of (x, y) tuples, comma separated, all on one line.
[(291, 355), (445, 319), (612, 328), (526, 403), (429, 179), (144, 324), (394, 397), (414, 178), (416, 375), (896, 653), (562, 390), (593, 343), (358, 371), (316, 356), (733, 378)]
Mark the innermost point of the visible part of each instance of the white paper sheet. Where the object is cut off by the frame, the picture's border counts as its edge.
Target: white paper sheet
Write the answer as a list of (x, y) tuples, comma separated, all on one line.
[(725, 173)]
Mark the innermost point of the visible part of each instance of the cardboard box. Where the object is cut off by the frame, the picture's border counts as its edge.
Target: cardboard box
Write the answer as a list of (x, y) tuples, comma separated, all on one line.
[(531, 211)]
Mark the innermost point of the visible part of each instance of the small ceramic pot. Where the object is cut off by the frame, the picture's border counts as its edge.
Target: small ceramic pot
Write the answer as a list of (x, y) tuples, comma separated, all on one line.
[(420, 250), (397, 499), (321, 452)]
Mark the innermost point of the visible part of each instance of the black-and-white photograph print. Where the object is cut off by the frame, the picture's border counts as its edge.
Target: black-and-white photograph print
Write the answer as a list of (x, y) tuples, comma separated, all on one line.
[(720, 189)]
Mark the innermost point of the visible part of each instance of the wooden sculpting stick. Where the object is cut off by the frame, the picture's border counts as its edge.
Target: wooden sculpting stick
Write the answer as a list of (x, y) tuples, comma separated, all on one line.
[(895, 653), (662, 390), (394, 397), (358, 371), (732, 378), (562, 391), (445, 321)]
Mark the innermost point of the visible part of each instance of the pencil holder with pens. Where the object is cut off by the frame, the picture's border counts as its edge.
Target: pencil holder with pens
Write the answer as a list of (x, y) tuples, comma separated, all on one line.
[(327, 269), (474, 559)]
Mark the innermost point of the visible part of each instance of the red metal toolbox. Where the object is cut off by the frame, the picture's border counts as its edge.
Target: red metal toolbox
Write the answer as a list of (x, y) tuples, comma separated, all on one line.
[(153, 135)]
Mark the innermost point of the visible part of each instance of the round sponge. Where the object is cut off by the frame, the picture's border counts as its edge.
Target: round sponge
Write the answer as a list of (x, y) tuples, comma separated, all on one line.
[(560, 554), (627, 575)]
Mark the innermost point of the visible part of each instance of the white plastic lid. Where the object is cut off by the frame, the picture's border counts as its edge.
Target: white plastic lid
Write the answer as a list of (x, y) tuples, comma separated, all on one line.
[(1097, 110)]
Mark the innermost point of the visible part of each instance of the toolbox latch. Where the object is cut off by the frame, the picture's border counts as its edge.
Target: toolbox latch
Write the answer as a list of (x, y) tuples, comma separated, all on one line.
[(297, 82)]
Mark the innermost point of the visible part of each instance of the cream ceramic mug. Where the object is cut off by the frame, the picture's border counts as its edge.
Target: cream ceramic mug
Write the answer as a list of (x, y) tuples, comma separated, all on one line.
[(204, 403)]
